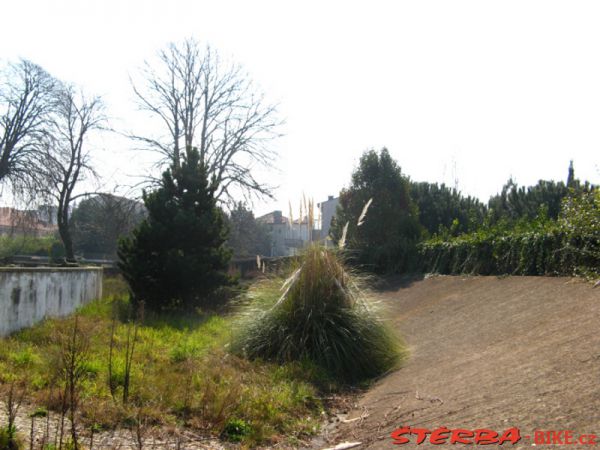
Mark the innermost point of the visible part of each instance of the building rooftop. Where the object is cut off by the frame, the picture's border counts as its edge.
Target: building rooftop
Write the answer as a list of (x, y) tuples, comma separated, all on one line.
[(275, 217)]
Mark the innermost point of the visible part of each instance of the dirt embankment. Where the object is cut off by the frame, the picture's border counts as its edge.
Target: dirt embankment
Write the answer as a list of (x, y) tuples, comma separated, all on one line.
[(487, 352)]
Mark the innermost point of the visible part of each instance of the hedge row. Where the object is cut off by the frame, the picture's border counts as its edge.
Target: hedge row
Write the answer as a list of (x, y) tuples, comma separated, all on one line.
[(552, 251)]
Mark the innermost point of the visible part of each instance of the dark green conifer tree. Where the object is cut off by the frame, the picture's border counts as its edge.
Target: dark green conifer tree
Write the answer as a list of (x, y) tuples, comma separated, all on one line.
[(177, 257)]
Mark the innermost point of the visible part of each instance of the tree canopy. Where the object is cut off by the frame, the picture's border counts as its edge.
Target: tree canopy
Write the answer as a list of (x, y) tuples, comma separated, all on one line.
[(387, 238), (198, 99), (99, 221), (441, 207)]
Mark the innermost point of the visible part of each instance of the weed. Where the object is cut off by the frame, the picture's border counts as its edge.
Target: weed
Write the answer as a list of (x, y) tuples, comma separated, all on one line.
[(15, 394), (72, 366), (235, 430), (9, 440), (23, 358)]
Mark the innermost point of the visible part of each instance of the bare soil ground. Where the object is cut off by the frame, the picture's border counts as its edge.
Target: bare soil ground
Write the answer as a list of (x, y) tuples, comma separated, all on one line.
[(486, 352)]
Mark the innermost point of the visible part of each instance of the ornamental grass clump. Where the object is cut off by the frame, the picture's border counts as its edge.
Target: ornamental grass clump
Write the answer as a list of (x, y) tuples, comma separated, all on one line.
[(320, 314)]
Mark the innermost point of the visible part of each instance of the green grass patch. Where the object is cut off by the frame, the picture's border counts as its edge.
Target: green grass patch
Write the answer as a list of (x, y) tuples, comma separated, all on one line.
[(27, 245), (182, 374)]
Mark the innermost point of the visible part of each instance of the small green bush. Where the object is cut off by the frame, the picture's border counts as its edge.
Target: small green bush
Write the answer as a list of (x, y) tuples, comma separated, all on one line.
[(114, 286), (236, 430), (321, 317)]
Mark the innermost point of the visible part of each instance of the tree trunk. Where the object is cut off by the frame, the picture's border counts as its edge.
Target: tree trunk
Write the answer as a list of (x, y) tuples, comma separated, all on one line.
[(65, 234)]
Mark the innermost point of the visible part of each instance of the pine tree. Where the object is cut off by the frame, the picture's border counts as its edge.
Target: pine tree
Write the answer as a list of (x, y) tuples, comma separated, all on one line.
[(176, 258)]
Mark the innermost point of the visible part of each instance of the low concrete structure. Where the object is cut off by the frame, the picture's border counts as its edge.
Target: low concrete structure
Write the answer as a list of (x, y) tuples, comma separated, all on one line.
[(28, 295)]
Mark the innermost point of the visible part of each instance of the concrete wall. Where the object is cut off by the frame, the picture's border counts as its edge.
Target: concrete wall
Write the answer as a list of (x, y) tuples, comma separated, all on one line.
[(28, 295)]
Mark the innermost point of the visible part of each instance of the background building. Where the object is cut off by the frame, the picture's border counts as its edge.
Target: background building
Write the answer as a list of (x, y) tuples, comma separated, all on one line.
[(29, 222), (288, 238), (328, 209)]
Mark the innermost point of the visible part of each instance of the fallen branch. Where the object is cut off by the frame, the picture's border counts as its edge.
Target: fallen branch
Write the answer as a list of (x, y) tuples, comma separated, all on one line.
[(344, 446)]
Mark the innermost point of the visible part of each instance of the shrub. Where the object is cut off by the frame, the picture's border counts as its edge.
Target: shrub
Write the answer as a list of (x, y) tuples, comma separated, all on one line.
[(114, 286), (236, 429), (322, 317), (57, 252)]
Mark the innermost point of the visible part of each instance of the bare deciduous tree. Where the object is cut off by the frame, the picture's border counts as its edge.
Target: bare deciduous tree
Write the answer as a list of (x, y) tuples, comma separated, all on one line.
[(26, 99), (67, 158), (204, 102)]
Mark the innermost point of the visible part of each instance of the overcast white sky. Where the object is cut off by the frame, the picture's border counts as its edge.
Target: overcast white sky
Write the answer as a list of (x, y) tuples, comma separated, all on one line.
[(469, 90)]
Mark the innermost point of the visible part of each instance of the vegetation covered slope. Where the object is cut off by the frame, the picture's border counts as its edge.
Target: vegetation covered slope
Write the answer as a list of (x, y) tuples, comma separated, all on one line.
[(176, 369)]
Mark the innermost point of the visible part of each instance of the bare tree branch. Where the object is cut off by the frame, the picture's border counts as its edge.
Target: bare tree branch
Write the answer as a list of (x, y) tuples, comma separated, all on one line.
[(205, 103), (26, 100)]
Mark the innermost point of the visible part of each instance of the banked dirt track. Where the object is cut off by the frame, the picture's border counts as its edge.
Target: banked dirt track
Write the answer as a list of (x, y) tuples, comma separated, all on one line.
[(487, 352)]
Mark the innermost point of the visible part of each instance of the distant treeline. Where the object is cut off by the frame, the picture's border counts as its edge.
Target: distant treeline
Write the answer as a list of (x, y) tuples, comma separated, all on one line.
[(567, 246), (551, 228)]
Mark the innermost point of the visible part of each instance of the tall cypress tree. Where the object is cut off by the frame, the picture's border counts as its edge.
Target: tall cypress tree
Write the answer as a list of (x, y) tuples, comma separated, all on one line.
[(177, 257), (571, 176)]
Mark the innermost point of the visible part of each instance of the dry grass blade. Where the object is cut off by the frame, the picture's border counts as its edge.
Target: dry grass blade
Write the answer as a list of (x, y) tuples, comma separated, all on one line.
[(311, 218), (361, 218), (287, 286), (305, 204), (319, 218), (342, 242)]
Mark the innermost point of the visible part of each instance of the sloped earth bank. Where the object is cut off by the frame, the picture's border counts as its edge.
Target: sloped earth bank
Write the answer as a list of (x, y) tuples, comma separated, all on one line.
[(486, 352)]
